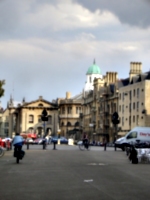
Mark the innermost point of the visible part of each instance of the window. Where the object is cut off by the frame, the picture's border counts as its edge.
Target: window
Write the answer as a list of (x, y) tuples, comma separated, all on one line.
[(68, 124), (123, 96), (120, 96), (130, 107), (138, 93), (49, 119), (31, 118), (122, 108), (6, 124), (137, 106), (41, 105), (133, 118), (129, 120), (69, 110), (39, 119), (132, 135), (137, 119), (31, 130), (63, 110), (130, 94), (134, 93), (78, 110), (76, 124), (133, 105), (90, 79), (6, 131), (122, 121)]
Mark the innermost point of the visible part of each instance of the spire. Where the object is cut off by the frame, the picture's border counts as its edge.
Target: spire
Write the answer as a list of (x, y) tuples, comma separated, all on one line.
[(94, 62)]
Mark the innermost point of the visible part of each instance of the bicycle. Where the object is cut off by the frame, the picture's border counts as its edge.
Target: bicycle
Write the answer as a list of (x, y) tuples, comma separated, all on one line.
[(1, 151), (18, 153), (82, 146)]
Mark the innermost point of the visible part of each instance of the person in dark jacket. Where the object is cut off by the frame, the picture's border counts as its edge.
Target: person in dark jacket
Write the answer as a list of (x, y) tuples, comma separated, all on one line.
[(105, 143), (133, 155)]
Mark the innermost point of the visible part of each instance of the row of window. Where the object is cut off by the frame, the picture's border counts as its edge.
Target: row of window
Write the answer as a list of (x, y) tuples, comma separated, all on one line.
[(134, 93), (68, 109), (135, 119), (134, 105), (69, 124), (31, 119)]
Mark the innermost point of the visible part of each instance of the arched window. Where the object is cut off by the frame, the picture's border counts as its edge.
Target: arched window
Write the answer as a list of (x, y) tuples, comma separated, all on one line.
[(76, 124), (31, 130), (31, 118), (68, 124), (40, 104), (62, 123), (39, 119)]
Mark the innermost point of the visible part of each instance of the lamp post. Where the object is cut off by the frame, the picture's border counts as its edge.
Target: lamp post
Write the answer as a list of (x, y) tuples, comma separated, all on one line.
[(44, 118)]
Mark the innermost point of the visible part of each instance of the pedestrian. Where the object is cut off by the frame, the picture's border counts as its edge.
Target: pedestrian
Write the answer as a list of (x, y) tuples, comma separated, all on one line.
[(133, 155), (105, 143)]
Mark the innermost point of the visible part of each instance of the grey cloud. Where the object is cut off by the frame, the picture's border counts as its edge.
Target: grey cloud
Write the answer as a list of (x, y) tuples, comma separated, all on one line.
[(135, 12)]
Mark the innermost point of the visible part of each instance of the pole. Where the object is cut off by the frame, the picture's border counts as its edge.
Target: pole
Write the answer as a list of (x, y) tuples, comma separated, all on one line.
[(115, 137), (44, 137)]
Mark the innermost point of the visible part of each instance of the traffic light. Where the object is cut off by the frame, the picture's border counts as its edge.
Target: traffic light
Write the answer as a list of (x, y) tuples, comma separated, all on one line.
[(44, 116), (115, 118)]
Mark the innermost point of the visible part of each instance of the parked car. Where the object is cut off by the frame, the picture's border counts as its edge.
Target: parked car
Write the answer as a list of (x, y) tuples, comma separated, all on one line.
[(38, 141), (63, 140), (28, 140)]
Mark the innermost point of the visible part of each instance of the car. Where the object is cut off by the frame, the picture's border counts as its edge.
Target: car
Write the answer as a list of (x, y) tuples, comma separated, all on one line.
[(28, 140), (62, 139), (38, 141)]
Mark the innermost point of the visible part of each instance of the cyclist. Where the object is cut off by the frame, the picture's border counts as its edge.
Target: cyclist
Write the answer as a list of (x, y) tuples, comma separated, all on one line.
[(18, 143), (85, 140)]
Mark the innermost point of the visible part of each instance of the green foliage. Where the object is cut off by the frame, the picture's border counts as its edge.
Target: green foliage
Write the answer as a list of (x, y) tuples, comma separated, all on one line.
[(2, 83)]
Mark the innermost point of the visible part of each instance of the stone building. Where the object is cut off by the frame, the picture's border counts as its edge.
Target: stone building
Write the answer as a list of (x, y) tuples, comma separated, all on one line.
[(90, 111), (69, 113), (134, 99), (25, 117)]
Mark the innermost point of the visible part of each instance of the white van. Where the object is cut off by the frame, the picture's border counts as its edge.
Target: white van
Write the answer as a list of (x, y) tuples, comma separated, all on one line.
[(137, 134)]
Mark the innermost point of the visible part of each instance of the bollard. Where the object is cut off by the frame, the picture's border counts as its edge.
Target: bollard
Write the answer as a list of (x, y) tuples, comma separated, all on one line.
[(54, 147), (105, 145), (27, 145), (43, 144)]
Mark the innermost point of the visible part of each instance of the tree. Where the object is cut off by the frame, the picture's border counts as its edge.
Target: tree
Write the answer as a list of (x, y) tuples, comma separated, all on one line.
[(2, 83)]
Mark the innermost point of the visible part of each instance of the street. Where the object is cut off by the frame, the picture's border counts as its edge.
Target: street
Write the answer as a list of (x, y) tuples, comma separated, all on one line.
[(70, 174)]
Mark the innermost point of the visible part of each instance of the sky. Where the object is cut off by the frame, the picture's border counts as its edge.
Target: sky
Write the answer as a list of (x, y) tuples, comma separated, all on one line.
[(47, 46)]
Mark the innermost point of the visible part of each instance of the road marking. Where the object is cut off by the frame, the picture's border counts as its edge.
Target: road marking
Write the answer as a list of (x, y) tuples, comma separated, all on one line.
[(96, 164), (87, 181)]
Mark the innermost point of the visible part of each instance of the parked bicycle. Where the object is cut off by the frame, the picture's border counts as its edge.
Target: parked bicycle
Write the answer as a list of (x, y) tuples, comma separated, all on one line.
[(1, 151)]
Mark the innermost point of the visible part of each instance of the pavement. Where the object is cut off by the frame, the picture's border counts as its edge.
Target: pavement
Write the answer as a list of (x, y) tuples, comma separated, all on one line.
[(70, 174)]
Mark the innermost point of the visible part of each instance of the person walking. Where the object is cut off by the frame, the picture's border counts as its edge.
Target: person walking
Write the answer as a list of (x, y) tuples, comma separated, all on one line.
[(105, 143)]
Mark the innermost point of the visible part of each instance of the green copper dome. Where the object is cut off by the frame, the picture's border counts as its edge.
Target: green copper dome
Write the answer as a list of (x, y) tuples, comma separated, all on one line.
[(94, 69)]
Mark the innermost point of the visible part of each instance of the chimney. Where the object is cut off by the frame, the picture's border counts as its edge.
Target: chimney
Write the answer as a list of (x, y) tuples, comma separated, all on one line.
[(135, 69), (68, 95)]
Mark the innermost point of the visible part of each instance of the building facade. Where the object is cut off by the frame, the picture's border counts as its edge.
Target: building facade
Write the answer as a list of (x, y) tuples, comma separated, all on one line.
[(26, 117), (90, 111)]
